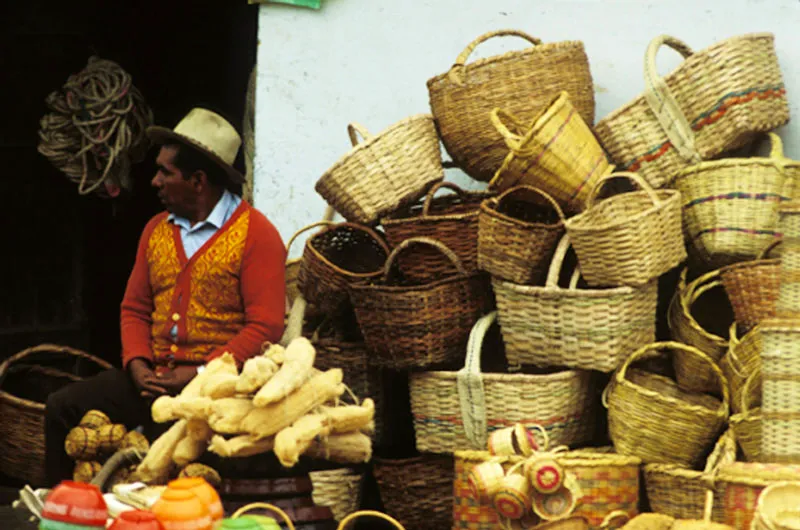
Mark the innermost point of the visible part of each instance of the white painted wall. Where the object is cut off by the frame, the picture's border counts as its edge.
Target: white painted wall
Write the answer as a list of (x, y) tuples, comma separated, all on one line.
[(368, 61)]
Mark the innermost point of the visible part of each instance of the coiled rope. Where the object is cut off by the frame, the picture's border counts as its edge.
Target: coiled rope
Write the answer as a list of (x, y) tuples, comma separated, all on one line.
[(97, 128)]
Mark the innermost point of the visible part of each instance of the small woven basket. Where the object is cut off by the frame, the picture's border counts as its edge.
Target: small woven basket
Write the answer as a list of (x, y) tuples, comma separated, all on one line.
[(292, 270), (592, 329), (693, 374), (451, 220), (458, 410), (26, 379), (746, 425), (630, 238), (516, 236), (338, 489), (423, 325), (556, 152), (384, 172), (522, 82), (740, 362), (752, 288), (717, 100), (336, 256), (778, 507), (780, 406), (650, 417), (730, 206)]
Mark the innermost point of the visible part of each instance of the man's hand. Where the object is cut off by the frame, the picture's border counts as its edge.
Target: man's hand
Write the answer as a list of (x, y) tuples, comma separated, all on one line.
[(177, 378), (145, 380)]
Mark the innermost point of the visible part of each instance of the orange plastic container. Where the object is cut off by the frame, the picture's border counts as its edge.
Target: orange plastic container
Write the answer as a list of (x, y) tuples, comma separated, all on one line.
[(205, 491), (182, 510)]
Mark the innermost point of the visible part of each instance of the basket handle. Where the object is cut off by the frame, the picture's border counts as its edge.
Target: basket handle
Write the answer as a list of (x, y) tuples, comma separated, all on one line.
[(369, 513), (648, 351), (556, 264), (769, 248), (748, 397), (517, 189), (48, 348), (354, 130), (733, 342), (706, 282), (324, 222), (724, 453), (501, 119), (436, 187), (264, 506), (663, 103), (621, 515), (449, 254), (634, 177), (470, 385), (456, 73)]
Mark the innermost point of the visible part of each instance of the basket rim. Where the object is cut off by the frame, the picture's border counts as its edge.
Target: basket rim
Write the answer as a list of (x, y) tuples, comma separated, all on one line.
[(684, 292), (565, 375), (713, 165), (750, 264), (408, 289), (411, 460), (582, 221), (581, 457), (558, 292), (689, 60), (791, 325), (673, 470), (395, 218), (491, 210), (349, 275)]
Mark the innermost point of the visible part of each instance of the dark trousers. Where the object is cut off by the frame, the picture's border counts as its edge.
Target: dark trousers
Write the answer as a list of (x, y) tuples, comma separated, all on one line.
[(111, 392)]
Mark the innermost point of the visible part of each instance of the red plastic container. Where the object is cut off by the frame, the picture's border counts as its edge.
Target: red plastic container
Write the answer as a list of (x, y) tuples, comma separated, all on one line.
[(76, 503)]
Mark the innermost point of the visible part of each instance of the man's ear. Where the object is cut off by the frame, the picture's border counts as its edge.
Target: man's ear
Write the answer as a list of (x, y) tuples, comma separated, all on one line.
[(199, 180)]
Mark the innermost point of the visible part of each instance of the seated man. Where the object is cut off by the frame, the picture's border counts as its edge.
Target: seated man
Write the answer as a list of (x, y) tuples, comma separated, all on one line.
[(208, 279)]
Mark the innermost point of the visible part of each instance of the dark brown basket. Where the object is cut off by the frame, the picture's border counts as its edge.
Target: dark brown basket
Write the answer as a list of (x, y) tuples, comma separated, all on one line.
[(336, 256), (451, 219), (418, 491), (752, 287), (422, 325), (517, 236), (26, 379)]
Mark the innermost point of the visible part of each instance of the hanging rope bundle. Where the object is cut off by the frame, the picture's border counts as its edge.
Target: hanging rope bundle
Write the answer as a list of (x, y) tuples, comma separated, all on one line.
[(96, 128)]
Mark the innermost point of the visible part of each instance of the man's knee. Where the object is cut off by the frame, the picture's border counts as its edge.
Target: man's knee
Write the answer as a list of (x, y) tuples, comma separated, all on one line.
[(60, 405)]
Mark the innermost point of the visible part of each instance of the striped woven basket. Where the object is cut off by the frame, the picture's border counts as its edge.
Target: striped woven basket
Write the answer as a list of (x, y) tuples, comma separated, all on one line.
[(752, 287), (740, 362), (718, 99), (739, 485), (338, 489), (522, 82), (788, 303), (385, 171), (746, 425), (730, 206), (457, 410), (780, 407), (556, 152), (777, 507), (592, 329), (608, 483)]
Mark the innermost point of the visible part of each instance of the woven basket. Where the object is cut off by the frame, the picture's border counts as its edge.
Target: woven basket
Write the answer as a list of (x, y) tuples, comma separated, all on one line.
[(777, 507), (780, 404), (739, 485), (692, 373), (630, 238), (556, 152), (608, 483), (457, 410), (742, 360), (336, 256), (752, 287), (420, 325), (730, 206), (788, 303), (516, 236), (522, 82), (384, 172), (293, 264), (715, 101), (451, 220), (593, 329), (26, 379), (418, 491), (746, 425), (338, 489), (650, 417)]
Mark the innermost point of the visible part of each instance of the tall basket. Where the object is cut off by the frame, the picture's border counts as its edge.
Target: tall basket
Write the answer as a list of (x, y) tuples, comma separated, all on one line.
[(780, 407), (752, 287)]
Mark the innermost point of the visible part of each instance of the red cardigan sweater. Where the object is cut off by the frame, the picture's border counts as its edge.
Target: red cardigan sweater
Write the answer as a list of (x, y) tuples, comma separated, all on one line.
[(229, 297)]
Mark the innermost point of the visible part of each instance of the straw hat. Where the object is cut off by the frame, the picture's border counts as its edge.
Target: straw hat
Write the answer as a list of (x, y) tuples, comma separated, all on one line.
[(208, 132)]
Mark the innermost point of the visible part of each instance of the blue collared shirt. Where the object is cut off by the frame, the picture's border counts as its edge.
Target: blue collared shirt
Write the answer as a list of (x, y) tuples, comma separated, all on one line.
[(194, 237)]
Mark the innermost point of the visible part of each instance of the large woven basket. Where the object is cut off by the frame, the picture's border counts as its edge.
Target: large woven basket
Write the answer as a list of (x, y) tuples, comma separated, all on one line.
[(422, 325), (384, 172), (730, 206), (336, 256), (418, 491), (740, 362), (608, 482), (451, 220), (650, 417), (718, 99), (746, 425), (338, 489), (628, 239), (593, 329), (739, 485), (556, 152), (26, 380), (752, 287), (692, 373), (780, 402), (457, 410), (516, 236), (522, 82)]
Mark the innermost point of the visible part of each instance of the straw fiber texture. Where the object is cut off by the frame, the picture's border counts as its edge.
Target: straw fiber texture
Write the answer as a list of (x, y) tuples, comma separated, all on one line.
[(593, 329), (422, 325), (607, 481), (788, 303), (777, 507), (650, 417), (740, 362), (418, 491), (451, 220), (752, 288), (739, 485), (746, 425), (692, 373), (522, 82), (628, 239), (338, 489), (730, 206), (383, 172), (517, 235), (715, 101), (563, 403), (556, 152)]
